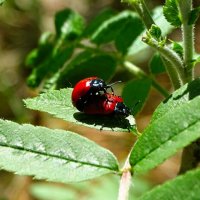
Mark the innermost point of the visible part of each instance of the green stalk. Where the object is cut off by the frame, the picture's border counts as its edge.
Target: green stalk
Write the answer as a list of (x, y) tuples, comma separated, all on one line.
[(174, 74), (189, 156), (143, 11), (185, 8), (172, 71), (170, 56), (139, 73)]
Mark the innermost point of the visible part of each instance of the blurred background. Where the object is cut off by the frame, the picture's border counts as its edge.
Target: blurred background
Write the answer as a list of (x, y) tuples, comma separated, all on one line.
[(21, 23)]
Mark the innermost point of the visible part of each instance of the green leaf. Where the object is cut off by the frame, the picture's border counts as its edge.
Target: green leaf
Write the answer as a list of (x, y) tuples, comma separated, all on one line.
[(110, 28), (176, 125), (194, 15), (178, 98), (155, 32), (87, 64), (177, 47), (58, 103), (171, 13), (138, 46), (186, 186), (98, 20), (107, 187), (196, 60), (156, 65), (50, 66), (41, 191), (131, 29), (135, 93), (54, 155), (45, 47), (69, 24), (1, 2)]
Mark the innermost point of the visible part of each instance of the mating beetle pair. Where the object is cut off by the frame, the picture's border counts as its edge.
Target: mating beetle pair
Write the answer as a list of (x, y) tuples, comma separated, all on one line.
[(90, 96)]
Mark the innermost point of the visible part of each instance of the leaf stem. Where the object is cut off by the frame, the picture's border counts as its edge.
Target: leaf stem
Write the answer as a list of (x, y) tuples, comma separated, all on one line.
[(125, 181), (185, 8), (143, 11), (189, 156), (173, 73), (139, 73), (170, 56), (170, 63)]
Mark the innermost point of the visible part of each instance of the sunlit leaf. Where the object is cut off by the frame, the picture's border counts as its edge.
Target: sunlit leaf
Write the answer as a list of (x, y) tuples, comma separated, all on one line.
[(175, 125), (54, 155), (186, 186)]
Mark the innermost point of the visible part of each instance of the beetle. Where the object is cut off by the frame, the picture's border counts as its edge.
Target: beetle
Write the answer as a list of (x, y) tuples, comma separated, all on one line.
[(87, 89), (106, 104)]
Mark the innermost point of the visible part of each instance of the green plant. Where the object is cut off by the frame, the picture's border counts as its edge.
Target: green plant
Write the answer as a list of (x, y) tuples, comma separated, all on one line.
[(100, 48)]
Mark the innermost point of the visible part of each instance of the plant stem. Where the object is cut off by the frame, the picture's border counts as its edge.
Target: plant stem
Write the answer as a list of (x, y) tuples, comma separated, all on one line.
[(139, 73), (125, 181), (170, 56), (173, 73), (170, 66), (189, 155), (143, 11), (185, 8)]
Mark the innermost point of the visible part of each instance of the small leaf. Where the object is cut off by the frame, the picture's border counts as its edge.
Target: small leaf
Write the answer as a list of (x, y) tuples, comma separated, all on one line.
[(186, 186), (41, 191), (155, 32), (69, 25), (194, 15), (176, 126), (135, 93), (58, 103), (156, 65), (87, 64), (110, 28), (54, 155), (177, 47), (196, 60), (171, 13), (98, 20)]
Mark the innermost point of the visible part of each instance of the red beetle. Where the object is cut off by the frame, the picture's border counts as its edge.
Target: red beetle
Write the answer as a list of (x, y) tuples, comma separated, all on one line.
[(86, 89), (106, 104)]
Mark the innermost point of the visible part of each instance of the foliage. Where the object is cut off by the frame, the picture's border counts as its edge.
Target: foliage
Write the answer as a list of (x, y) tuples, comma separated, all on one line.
[(55, 155), (180, 188), (171, 13), (103, 48)]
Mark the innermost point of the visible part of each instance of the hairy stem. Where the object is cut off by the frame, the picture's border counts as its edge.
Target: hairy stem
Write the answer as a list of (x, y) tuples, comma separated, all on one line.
[(125, 181), (185, 8), (170, 56), (170, 64), (139, 73), (189, 158), (173, 73)]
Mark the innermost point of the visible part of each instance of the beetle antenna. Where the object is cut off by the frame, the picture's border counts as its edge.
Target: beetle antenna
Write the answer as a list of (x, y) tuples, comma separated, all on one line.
[(110, 85)]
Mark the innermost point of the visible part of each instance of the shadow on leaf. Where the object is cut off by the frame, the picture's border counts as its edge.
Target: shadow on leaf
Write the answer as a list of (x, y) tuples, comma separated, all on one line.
[(109, 121)]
